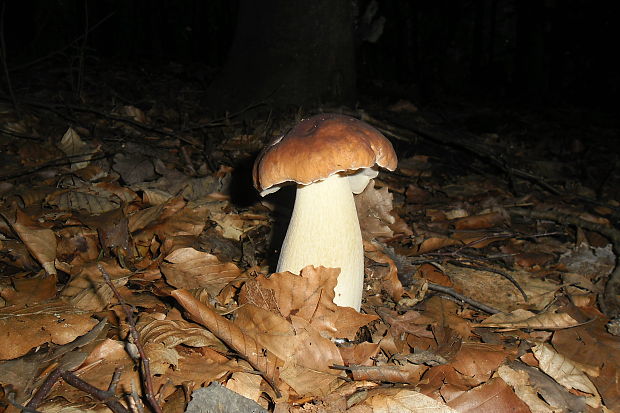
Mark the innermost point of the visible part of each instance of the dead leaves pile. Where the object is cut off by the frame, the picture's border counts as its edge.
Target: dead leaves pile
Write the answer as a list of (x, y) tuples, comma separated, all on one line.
[(193, 266)]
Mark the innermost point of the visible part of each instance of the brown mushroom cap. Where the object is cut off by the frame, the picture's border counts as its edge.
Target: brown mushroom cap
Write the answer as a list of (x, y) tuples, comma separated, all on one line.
[(319, 147)]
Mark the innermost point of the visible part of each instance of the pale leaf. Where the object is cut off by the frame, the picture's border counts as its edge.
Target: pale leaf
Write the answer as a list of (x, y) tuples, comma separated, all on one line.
[(565, 372)]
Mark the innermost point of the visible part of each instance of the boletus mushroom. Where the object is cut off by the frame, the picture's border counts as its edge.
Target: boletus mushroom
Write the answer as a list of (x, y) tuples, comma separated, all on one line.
[(330, 157)]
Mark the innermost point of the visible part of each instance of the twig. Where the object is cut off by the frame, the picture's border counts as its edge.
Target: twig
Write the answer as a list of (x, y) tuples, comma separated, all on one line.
[(465, 141), (131, 321), (406, 269), (44, 389), (460, 297), (67, 160), (11, 399), (609, 300), (107, 397), (492, 270)]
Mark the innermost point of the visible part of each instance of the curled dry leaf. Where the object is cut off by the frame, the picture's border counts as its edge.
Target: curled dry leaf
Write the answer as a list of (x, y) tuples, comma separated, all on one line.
[(483, 221), (389, 280), (188, 268), (374, 212), (55, 322), (407, 373), (174, 332), (74, 147), (565, 372), (403, 400), (434, 243), (548, 320), (40, 241)]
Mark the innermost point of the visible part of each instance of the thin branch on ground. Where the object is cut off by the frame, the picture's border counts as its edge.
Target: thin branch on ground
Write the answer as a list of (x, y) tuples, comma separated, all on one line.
[(462, 141), (492, 270), (144, 360), (459, 297), (105, 396), (609, 300)]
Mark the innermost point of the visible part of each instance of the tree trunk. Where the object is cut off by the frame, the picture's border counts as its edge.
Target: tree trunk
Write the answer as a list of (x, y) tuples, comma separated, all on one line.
[(288, 52)]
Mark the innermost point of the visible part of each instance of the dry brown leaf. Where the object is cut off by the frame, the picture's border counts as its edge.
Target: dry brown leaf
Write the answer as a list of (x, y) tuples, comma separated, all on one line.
[(112, 229), (69, 200), (565, 372), (548, 320), (496, 291), (188, 268), (389, 280), (411, 322), (361, 354), (77, 245), (270, 330), (434, 243), (15, 254), (590, 344), (483, 221), (473, 365), (308, 296), (308, 371), (493, 396), (24, 328), (174, 332), (374, 209), (403, 401), (433, 274), (88, 291), (40, 241), (29, 290), (520, 383), (443, 312), (246, 384), (229, 333), (407, 373), (73, 146)]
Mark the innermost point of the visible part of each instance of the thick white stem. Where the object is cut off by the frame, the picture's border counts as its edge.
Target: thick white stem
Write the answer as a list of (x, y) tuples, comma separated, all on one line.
[(324, 230)]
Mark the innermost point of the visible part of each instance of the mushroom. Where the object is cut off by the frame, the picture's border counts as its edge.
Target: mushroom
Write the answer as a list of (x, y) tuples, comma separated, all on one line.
[(330, 157)]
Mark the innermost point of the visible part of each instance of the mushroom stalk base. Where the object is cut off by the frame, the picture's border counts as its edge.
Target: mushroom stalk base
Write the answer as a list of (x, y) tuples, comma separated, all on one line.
[(324, 230)]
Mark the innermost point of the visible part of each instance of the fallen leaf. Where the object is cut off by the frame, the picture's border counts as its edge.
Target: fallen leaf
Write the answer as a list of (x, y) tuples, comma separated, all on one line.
[(188, 268), (23, 328), (493, 396), (519, 318), (40, 241), (565, 372), (403, 400)]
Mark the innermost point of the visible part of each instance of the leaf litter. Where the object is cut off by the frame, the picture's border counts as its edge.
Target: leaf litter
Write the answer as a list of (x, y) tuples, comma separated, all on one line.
[(483, 292)]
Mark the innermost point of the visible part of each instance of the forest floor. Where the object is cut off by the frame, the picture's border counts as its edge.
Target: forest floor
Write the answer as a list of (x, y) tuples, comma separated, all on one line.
[(136, 259)]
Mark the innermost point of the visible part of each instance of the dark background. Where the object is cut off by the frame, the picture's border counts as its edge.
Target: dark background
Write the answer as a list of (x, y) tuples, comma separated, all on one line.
[(501, 51)]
